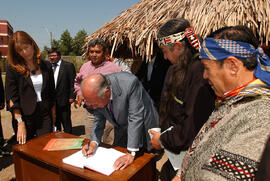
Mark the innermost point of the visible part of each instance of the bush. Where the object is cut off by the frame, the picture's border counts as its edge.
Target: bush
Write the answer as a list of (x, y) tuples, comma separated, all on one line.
[(76, 60)]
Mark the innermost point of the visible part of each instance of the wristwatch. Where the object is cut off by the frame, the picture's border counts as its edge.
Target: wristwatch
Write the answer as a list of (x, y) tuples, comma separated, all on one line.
[(19, 120), (133, 153)]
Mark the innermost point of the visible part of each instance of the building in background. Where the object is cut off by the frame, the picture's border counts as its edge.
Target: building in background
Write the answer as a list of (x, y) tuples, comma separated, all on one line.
[(6, 31)]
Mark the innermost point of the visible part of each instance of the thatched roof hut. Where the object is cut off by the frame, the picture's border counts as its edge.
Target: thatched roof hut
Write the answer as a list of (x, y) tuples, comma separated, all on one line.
[(133, 32)]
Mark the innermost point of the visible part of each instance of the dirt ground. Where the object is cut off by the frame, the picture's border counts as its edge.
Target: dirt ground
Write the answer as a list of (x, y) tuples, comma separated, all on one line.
[(6, 163)]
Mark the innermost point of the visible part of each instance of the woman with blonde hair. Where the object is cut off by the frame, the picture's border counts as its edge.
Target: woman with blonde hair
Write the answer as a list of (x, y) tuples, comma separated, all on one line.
[(30, 88)]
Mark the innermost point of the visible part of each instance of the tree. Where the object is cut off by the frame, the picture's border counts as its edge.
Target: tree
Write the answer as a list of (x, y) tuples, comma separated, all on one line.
[(66, 43), (78, 42), (56, 43), (46, 49), (44, 53)]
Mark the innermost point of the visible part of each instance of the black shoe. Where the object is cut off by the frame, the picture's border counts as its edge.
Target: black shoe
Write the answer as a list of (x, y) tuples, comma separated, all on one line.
[(4, 152)]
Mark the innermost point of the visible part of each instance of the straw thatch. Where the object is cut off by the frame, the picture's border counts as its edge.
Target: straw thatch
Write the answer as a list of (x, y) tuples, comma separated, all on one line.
[(136, 28)]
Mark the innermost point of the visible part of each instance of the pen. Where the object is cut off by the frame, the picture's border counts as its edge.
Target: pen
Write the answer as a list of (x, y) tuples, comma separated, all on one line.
[(88, 144), (169, 129), (87, 149)]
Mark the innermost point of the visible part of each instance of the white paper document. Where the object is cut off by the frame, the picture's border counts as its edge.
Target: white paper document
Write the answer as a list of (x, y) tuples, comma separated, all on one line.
[(175, 159), (102, 161)]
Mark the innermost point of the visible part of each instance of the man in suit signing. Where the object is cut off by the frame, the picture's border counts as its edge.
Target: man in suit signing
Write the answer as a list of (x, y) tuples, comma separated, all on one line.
[(64, 75), (121, 99)]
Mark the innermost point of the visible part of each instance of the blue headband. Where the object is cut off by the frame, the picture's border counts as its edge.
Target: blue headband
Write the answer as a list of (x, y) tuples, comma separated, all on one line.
[(219, 49)]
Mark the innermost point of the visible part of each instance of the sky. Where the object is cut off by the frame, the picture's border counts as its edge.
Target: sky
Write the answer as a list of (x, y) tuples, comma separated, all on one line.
[(40, 17)]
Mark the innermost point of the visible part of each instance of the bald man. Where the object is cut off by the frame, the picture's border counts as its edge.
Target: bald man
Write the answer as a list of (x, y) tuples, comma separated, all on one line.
[(121, 99)]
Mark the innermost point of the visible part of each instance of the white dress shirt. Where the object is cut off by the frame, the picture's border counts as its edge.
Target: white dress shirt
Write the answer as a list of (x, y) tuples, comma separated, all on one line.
[(56, 72)]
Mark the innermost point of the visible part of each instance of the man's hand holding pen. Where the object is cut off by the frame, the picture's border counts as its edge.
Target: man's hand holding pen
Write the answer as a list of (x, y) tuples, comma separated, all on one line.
[(89, 148)]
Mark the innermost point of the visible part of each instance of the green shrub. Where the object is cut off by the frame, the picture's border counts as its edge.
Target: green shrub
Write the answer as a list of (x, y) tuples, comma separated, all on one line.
[(76, 60)]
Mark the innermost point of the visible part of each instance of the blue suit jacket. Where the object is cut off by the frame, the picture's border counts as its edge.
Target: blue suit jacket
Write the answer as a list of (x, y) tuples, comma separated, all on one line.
[(133, 113)]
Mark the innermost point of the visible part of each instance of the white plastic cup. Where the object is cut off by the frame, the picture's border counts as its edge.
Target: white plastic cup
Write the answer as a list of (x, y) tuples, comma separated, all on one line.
[(154, 129)]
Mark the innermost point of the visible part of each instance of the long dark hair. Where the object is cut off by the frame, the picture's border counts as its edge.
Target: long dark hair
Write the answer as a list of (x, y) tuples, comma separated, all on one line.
[(177, 71)]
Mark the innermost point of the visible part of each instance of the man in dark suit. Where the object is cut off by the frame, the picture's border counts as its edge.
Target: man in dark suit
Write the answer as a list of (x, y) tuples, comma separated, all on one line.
[(121, 99), (64, 75)]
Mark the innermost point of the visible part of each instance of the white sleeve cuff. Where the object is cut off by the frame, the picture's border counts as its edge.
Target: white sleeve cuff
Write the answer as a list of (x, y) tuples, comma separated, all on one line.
[(95, 142), (133, 149)]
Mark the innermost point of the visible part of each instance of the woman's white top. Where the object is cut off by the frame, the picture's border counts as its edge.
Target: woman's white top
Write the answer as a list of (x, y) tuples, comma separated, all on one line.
[(37, 82)]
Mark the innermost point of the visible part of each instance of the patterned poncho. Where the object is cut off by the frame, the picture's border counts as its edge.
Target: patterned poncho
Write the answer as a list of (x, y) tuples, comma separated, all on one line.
[(229, 145)]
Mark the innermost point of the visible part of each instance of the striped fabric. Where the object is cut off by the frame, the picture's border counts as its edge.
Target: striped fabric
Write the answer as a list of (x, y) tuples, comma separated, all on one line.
[(220, 49)]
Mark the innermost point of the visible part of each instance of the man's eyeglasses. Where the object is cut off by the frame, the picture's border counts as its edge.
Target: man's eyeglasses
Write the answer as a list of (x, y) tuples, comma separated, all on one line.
[(52, 55)]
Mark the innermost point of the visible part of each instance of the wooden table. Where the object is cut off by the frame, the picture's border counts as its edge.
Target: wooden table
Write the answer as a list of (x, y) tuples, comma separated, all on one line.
[(32, 163)]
